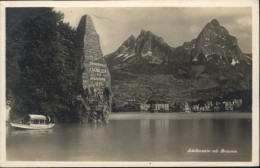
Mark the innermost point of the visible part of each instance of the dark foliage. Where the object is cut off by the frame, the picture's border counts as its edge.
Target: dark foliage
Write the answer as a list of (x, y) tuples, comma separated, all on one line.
[(40, 63)]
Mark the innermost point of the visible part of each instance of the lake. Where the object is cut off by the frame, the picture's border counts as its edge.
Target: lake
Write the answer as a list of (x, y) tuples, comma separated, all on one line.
[(139, 137)]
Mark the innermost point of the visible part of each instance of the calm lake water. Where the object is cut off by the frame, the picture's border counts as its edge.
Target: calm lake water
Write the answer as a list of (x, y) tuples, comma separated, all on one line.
[(138, 137)]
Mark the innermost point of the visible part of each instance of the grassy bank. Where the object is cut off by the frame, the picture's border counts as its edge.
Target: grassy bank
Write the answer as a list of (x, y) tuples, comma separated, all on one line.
[(181, 115)]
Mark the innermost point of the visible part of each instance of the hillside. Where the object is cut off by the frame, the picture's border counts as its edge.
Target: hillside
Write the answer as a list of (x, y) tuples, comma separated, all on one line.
[(211, 65)]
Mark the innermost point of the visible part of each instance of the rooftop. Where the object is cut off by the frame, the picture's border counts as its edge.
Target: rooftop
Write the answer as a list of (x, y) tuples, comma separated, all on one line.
[(37, 116)]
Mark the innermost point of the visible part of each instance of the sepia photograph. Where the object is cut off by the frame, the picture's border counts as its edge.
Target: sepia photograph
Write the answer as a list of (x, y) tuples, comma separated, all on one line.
[(130, 83)]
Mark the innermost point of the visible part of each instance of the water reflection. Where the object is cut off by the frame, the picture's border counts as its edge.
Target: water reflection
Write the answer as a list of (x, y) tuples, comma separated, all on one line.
[(162, 127), (135, 139), (33, 133), (145, 129)]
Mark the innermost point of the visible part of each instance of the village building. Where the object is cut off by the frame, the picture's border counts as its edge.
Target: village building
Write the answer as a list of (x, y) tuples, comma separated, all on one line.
[(202, 109), (217, 103), (158, 106), (131, 105), (196, 107), (228, 105), (144, 106), (187, 108), (216, 108), (209, 103), (161, 105), (231, 105), (207, 107), (237, 103)]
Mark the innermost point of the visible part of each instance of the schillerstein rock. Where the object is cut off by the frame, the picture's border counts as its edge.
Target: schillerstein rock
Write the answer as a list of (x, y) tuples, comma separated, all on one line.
[(95, 77)]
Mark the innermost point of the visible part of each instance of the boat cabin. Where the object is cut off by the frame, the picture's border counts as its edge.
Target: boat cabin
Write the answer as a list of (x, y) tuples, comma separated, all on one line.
[(35, 119)]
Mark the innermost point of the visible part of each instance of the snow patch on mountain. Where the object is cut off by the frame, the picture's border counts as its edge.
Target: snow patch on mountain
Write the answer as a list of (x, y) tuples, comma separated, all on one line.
[(149, 53), (126, 56)]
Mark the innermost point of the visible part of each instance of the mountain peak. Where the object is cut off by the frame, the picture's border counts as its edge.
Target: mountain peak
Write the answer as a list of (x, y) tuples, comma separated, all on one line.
[(130, 41), (132, 37), (214, 39), (215, 22), (146, 33), (86, 15), (146, 48), (143, 32)]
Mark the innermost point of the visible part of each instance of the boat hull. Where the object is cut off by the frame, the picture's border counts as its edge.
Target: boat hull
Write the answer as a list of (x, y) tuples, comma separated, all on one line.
[(31, 127)]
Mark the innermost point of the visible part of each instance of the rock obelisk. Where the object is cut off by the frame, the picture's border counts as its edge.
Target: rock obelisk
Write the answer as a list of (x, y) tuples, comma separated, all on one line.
[(96, 80)]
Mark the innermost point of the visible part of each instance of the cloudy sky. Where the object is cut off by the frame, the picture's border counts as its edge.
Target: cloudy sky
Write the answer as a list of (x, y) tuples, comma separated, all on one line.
[(174, 25)]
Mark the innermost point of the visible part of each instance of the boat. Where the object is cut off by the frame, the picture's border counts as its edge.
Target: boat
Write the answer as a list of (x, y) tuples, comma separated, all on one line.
[(33, 122)]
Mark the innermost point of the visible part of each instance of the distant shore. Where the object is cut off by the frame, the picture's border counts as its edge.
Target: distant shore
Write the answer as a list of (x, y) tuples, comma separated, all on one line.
[(180, 115)]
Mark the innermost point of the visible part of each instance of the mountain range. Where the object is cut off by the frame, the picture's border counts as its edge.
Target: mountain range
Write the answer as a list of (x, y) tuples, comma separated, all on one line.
[(210, 65)]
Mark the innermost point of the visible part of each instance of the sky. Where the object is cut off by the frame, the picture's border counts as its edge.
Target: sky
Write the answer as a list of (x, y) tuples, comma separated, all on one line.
[(175, 25)]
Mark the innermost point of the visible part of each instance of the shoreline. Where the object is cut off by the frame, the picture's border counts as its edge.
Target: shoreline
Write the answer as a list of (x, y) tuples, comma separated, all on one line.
[(180, 115), (176, 115)]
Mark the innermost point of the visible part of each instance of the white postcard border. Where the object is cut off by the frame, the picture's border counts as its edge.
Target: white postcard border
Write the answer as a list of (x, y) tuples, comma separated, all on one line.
[(254, 4)]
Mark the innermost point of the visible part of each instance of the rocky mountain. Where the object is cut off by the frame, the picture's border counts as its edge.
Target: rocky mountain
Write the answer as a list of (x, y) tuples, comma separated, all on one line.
[(213, 40), (214, 58), (146, 48)]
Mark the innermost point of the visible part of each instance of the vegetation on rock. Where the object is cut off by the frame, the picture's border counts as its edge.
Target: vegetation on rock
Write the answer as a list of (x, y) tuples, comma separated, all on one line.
[(40, 63)]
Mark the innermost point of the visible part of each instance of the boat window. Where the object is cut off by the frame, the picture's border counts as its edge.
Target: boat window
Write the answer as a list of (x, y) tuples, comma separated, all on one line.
[(36, 121), (41, 121)]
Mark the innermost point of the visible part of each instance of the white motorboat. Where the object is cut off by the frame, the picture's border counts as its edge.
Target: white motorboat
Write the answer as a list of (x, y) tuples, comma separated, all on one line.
[(33, 122)]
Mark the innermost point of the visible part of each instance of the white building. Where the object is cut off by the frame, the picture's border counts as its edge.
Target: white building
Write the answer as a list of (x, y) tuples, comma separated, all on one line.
[(144, 106)]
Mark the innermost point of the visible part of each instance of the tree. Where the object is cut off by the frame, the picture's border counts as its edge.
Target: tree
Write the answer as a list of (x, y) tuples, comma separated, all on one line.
[(39, 62)]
